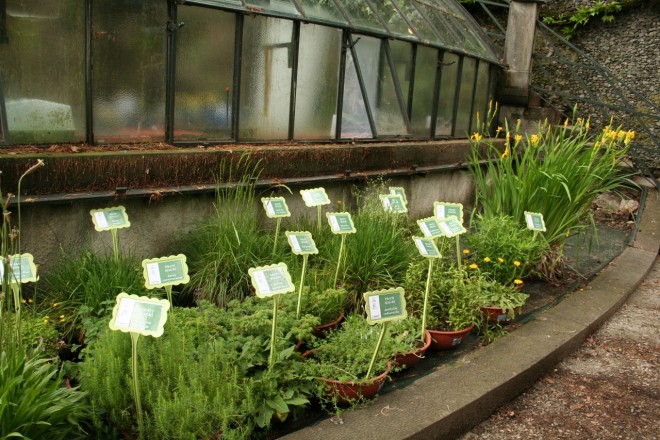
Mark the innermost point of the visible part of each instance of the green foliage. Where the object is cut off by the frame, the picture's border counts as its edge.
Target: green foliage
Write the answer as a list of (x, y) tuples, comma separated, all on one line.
[(222, 249), (83, 287), (33, 401), (494, 294), (503, 249), (326, 304), (378, 254), (345, 353), (454, 294), (207, 375), (570, 25), (557, 172)]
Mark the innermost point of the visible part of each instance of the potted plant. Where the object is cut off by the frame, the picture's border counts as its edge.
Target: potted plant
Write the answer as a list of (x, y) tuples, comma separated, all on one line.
[(340, 362), (500, 303), (408, 346), (453, 303)]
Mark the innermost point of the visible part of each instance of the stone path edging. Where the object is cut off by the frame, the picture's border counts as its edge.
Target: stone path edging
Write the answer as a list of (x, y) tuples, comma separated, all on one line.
[(454, 398)]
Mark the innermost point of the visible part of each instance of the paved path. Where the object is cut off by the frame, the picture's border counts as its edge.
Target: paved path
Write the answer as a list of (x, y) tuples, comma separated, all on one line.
[(608, 389)]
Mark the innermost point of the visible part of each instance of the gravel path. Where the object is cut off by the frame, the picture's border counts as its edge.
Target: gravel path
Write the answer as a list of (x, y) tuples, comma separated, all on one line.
[(608, 389)]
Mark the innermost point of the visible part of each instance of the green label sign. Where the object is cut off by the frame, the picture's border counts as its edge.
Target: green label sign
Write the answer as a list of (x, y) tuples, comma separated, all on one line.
[(398, 190), (385, 305), (110, 218), (165, 271), (21, 269), (427, 247), (301, 242), (139, 314), (445, 210), (275, 207), (430, 227), (534, 221), (451, 226), (393, 203), (340, 222), (315, 197), (271, 280)]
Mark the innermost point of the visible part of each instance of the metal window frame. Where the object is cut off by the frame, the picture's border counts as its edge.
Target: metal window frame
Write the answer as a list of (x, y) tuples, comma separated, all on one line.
[(397, 87), (4, 130), (457, 95)]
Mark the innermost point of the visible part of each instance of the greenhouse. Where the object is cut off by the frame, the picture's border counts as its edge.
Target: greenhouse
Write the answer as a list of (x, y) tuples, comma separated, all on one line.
[(240, 71)]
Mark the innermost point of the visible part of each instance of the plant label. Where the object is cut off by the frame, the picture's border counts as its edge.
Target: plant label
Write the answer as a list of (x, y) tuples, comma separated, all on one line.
[(271, 280), (385, 305), (427, 247), (340, 222), (21, 269), (535, 221), (430, 227), (110, 218), (399, 191), (315, 197), (393, 203), (139, 314), (275, 207), (165, 271), (444, 210), (451, 226), (301, 242)]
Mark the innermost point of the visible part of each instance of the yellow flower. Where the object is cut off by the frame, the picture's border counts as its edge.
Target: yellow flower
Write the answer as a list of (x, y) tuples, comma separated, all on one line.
[(476, 137), (630, 135), (506, 153), (517, 282), (339, 202), (596, 145), (498, 131), (54, 304), (61, 316), (566, 123), (30, 301), (568, 233), (474, 266), (23, 300), (45, 320), (500, 260), (586, 126), (487, 260), (516, 263), (518, 138), (466, 251), (534, 139)]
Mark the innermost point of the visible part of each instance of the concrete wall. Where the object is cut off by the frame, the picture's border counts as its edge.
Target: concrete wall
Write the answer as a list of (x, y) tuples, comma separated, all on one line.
[(157, 226)]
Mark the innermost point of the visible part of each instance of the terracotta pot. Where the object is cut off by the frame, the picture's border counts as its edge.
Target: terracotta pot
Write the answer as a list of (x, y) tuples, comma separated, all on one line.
[(321, 330), (347, 392), (443, 340), (410, 359), (497, 315)]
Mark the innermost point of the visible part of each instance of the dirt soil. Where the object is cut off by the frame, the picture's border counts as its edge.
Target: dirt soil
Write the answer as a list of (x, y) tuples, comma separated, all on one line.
[(608, 389)]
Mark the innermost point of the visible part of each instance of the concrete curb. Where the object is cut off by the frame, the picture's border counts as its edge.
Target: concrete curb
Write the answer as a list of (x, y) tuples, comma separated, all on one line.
[(453, 398)]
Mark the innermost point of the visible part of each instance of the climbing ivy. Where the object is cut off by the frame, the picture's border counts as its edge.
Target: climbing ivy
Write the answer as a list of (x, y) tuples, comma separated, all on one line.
[(571, 25)]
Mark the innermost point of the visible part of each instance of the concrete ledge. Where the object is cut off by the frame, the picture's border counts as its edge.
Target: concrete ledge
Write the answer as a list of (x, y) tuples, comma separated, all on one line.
[(454, 398)]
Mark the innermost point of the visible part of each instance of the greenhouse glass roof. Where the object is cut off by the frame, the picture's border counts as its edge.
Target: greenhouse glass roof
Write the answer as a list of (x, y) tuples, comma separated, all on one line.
[(438, 23)]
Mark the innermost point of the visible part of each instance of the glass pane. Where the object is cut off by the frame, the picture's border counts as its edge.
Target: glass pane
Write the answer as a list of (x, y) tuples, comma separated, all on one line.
[(266, 78), (402, 57), (395, 23), (468, 28), (322, 11), (440, 24), (419, 22), (43, 70), (204, 74), (379, 83), (281, 6), (425, 71), (231, 3), (316, 99), (128, 49), (354, 122), (463, 116), (362, 17), (481, 95), (448, 83)]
